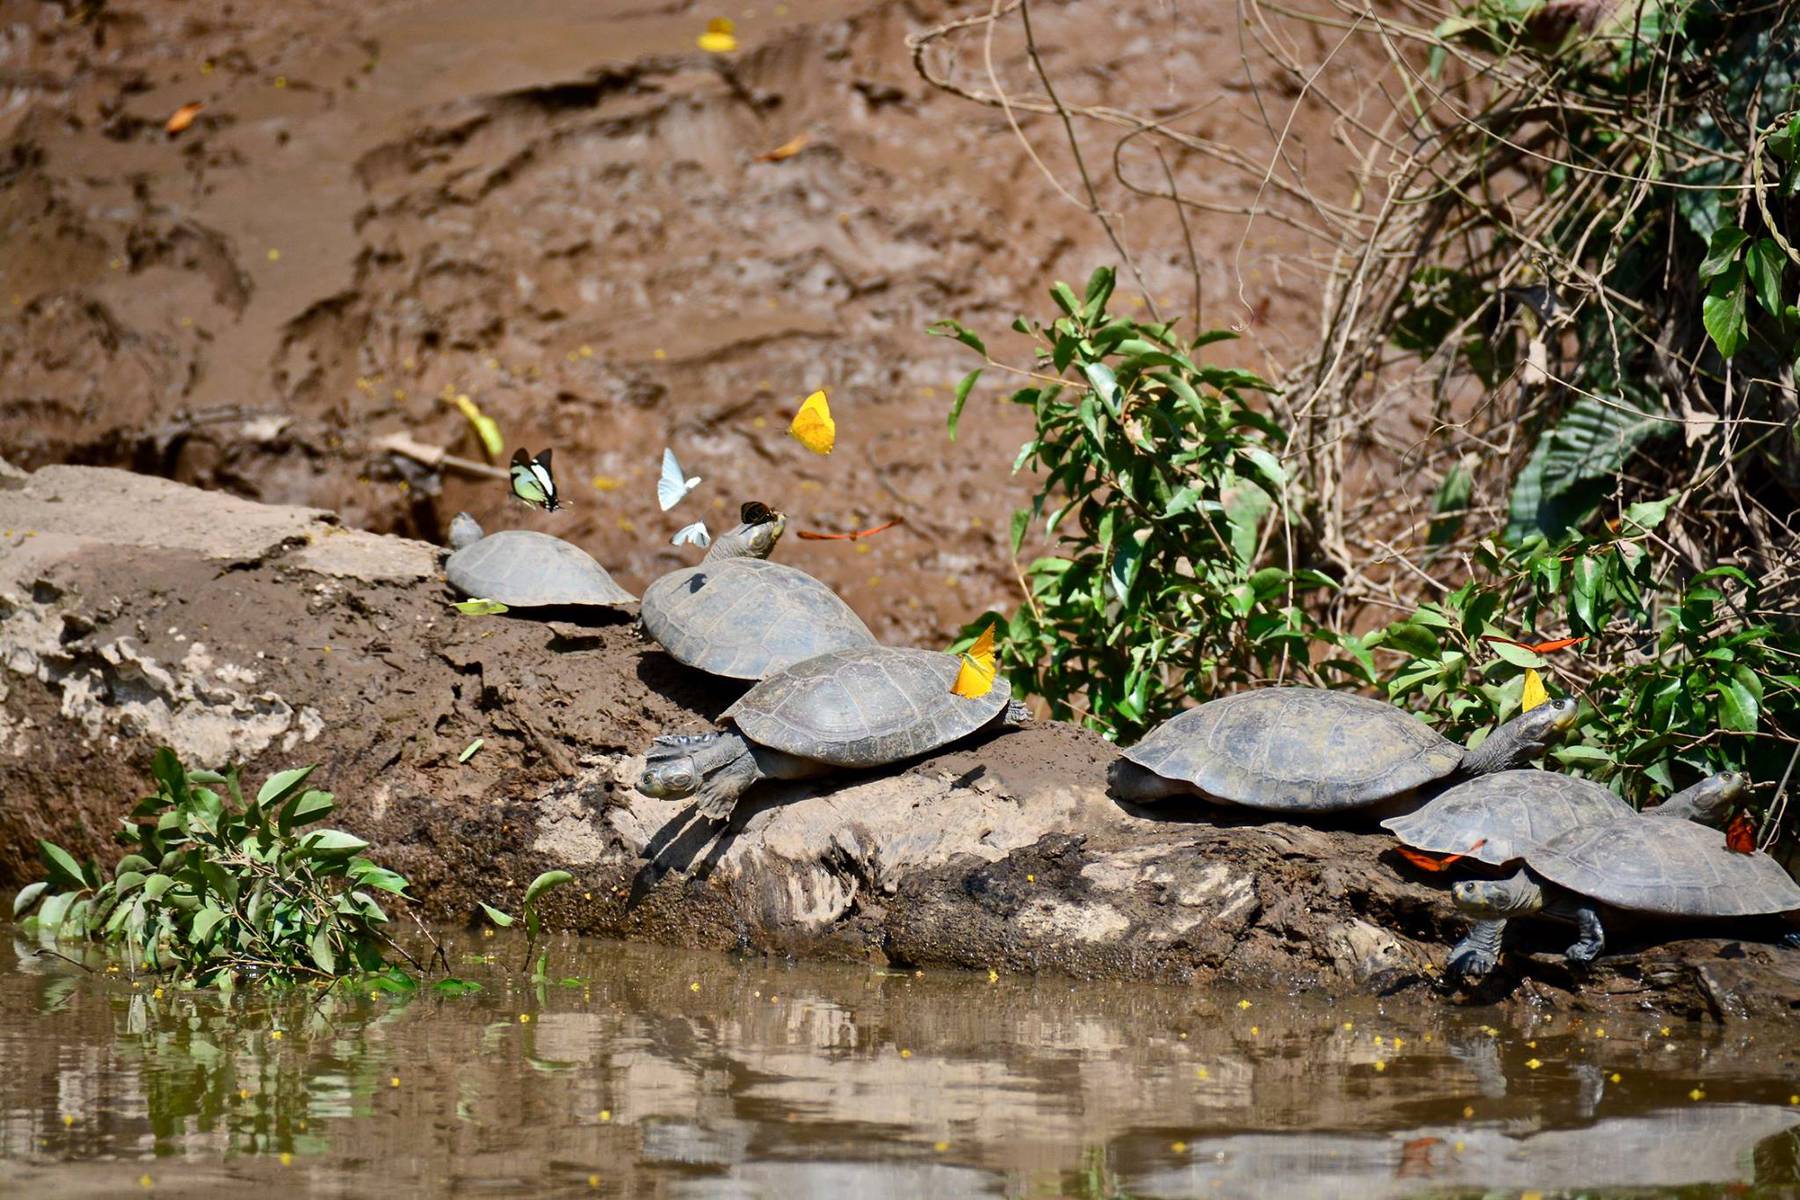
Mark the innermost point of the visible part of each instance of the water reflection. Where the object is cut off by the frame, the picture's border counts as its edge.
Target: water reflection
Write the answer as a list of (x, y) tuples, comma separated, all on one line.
[(648, 1072)]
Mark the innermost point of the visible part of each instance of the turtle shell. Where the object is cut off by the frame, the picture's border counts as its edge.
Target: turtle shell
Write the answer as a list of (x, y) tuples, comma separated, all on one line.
[(746, 618), (865, 706), (526, 569), (1297, 749), (1497, 818), (1668, 866)]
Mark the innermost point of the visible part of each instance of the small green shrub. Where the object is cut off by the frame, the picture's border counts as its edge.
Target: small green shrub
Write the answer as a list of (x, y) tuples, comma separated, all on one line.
[(1163, 491), (217, 889)]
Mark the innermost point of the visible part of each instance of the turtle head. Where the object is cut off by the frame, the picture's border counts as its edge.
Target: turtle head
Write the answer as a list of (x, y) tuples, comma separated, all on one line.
[(465, 531), (754, 538), (716, 767), (1707, 800), (1497, 899), (1522, 739)]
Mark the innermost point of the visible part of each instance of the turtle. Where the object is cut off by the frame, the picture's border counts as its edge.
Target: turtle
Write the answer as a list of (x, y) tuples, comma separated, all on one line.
[(738, 615), (1661, 862), (1495, 819), (522, 568), (857, 707), (1296, 749)]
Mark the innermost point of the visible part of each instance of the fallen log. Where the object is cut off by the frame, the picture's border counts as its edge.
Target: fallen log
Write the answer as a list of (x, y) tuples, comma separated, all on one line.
[(136, 612)]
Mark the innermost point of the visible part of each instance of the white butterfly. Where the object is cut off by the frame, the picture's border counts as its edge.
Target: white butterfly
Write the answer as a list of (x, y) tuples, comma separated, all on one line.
[(672, 486), (694, 534)]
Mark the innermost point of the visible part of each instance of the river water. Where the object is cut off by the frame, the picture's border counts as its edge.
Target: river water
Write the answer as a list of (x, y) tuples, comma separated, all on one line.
[(641, 1071)]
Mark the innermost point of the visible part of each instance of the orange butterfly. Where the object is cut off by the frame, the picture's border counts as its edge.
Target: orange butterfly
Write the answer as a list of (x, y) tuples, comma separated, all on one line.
[(1549, 647), (1740, 835), (1427, 863), (811, 536), (975, 678)]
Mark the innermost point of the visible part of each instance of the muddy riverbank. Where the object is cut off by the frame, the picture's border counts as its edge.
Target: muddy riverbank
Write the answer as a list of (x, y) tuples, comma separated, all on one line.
[(137, 611)]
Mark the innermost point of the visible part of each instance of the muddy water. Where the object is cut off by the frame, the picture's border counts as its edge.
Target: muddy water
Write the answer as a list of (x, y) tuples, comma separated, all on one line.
[(648, 1072)]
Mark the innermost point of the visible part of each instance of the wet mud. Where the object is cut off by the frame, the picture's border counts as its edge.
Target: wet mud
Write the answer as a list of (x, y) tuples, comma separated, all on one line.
[(558, 210), (135, 611)]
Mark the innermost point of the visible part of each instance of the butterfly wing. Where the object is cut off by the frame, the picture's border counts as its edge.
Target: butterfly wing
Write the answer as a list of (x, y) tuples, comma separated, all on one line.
[(540, 467), (813, 426), (1740, 835), (694, 535), (673, 485), (1533, 693), (525, 483), (975, 678)]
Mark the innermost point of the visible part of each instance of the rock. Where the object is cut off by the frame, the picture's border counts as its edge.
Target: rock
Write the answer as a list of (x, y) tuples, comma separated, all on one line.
[(141, 612)]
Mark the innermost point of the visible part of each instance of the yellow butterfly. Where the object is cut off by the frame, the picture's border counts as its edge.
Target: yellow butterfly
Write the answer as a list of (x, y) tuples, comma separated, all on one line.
[(720, 36), (975, 678), (1534, 693), (813, 426)]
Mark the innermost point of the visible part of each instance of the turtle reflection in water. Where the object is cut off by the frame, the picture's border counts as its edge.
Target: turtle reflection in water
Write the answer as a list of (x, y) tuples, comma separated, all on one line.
[(1659, 863), (866, 706), (1306, 750)]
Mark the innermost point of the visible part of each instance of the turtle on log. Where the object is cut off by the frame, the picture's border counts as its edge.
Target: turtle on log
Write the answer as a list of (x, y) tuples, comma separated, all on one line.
[(738, 615), (865, 706), (1307, 750), (1661, 862)]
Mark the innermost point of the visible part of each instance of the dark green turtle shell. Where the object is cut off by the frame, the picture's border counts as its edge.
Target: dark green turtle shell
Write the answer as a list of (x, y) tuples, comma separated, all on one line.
[(526, 569), (865, 706), (1665, 865), (1297, 749), (1497, 818), (746, 618)]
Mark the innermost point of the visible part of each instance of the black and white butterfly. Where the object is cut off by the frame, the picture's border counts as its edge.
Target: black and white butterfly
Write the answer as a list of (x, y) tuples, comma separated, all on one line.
[(532, 481)]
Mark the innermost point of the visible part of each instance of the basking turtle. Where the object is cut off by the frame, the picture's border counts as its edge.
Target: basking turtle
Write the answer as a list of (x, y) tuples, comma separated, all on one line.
[(738, 615), (860, 707), (1496, 819), (1306, 750), (522, 568), (1662, 862)]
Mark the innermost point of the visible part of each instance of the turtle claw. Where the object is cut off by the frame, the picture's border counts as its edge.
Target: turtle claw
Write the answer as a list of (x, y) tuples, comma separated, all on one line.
[(1791, 940), (1470, 964)]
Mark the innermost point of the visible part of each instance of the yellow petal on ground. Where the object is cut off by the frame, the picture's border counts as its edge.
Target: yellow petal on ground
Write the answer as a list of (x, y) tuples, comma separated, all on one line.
[(787, 149), (720, 36), (1534, 693), (813, 426), (485, 427), (975, 678)]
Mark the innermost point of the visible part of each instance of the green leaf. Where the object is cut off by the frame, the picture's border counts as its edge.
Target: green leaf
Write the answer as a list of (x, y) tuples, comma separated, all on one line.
[(1722, 251), (546, 881), (1518, 656), (1126, 562), (1738, 707), (205, 921), (956, 329), (304, 809), (1064, 297), (1267, 467), (1579, 755), (1021, 521), (1584, 585), (1105, 384), (64, 870), (456, 987), (962, 397), (1099, 289), (28, 896), (1646, 515), (480, 608), (157, 885), (281, 785), (1722, 312), (1575, 462), (1764, 263), (320, 947), (469, 750), (496, 916), (331, 843)]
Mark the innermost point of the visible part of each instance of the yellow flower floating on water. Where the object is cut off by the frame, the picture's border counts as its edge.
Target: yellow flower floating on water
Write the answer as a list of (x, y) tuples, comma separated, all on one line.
[(720, 36)]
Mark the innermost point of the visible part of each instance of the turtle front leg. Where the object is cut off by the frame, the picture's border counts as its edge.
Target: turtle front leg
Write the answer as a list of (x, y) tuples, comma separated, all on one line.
[(1592, 941), (716, 767), (1478, 953)]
